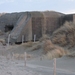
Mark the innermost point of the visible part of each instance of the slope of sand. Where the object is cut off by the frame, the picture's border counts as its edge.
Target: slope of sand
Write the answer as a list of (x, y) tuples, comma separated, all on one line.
[(17, 67), (35, 66), (10, 67)]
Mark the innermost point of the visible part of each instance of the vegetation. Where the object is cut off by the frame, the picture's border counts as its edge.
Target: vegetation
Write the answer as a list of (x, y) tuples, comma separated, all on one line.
[(65, 35), (53, 51)]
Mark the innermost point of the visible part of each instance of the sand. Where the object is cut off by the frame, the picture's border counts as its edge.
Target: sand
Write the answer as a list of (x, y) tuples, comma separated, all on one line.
[(34, 66)]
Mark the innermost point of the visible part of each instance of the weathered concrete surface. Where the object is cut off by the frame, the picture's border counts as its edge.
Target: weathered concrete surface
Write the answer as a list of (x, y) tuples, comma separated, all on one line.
[(40, 23)]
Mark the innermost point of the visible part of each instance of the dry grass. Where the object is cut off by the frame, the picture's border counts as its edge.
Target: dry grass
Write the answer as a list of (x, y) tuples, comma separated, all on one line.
[(28, 44), (36, 47), (72, 53), (48, 46), (56, 53), (1, 33), (2, 41), (21, 56), (65, 35), (53, 51), (60, 39), (44, 37)]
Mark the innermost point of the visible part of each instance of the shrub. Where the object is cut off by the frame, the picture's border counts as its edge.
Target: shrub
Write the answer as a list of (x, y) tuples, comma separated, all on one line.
[(28, 44), (44, 37), (2, 41), (48, 46), (53, 51), (56, 53), (1, 33), (21, 56), (37, 47), (65, 35)]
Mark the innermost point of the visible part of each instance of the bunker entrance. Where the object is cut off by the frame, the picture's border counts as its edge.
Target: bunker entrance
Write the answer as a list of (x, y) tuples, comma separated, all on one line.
[(8, 28)]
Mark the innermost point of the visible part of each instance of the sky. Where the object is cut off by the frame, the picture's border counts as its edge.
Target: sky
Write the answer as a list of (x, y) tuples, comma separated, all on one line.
[(63, 6)]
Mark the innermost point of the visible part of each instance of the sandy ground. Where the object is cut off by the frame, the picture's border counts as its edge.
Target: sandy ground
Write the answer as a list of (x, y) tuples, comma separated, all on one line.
[(34, 66), (10, 67)]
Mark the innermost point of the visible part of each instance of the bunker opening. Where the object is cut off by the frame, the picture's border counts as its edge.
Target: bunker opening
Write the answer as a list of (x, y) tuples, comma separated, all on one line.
[(8, 28)]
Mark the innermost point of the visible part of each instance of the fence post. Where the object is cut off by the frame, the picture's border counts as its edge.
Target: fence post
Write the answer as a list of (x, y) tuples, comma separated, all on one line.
[(25, 58), (54, 66), (22, 38), (8, 40), (34, 38)]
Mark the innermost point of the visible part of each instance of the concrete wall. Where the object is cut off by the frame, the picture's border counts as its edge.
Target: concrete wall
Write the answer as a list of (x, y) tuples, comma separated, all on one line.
[(68, 18), (74, 18), (39, 24), (52, 20), (45, 23), (27, 32), (52, 24), (8, 19)]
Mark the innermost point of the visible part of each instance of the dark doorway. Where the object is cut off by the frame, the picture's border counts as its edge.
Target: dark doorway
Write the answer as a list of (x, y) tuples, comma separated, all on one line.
[(8, 28)]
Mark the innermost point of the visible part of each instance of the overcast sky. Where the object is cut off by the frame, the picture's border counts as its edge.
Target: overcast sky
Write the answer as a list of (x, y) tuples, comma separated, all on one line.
[(64, 6)]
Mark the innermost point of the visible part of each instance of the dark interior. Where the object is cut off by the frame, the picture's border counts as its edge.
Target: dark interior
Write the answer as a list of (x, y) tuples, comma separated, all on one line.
[(8, 28)]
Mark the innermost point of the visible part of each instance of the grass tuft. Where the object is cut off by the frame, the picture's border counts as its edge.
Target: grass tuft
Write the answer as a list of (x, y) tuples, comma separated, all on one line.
[(44, 37), (53, 51), (28, 44), (65, 35)]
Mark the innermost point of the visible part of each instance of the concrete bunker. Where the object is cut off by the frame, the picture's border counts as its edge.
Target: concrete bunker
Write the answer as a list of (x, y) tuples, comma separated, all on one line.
[(37, 23)]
